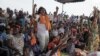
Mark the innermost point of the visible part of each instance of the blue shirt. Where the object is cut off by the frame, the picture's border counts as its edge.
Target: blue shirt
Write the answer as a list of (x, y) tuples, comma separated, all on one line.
[(3, 36), (22, 22)]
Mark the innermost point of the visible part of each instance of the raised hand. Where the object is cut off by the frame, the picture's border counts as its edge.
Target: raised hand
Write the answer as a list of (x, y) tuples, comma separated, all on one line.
[(57, 8), (35, 5)]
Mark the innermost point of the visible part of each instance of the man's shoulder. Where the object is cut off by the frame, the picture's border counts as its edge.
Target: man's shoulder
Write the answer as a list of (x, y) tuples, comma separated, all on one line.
[(10, 36)]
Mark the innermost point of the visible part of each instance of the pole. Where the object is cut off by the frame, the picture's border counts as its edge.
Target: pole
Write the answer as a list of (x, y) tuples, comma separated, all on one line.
[(32, 7), (62, 7)]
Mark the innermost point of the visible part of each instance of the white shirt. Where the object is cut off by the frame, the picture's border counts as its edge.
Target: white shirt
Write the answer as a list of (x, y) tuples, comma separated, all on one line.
[(17, 41), (55, 32), (55, 19), (61, 30), (27, 19)]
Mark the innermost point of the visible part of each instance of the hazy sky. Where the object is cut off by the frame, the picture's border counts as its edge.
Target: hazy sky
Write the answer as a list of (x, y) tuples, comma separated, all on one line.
[(70, 8)]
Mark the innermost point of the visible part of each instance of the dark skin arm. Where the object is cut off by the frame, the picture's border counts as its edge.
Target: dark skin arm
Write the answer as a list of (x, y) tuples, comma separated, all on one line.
[(34, 7), (61, 45), (56, 12)]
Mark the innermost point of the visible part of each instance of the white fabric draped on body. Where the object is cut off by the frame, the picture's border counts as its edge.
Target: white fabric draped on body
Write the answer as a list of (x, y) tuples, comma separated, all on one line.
[(42, 35)]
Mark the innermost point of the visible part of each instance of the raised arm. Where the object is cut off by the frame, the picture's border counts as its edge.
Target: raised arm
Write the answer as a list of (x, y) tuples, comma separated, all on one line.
[(33, 13), (56, 12), (96, 16)]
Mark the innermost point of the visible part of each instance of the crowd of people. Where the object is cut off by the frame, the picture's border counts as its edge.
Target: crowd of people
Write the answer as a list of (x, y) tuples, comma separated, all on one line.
[(43, 34)]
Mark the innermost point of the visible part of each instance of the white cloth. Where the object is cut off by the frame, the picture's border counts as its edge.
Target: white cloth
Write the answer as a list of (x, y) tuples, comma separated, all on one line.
[(41, 28), (55, 32), (61, 30), (37, 18), (31, 53), (42, 35), (2, 24), (55, 19), (97, 53), (27, 19), (14, 16), (43, 39)]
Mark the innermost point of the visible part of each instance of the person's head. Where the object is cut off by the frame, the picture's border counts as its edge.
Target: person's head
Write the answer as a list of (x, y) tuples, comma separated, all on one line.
[(54, 26), (24, 13), (42, 11), (16, 29), (30, 16), (0, 10), (8, 10), (31, 33), (9, 30), (54, 13), (56, 40), (62, 25), (11, 13), (15, 12), (74, 31), (2, 28), (20, 14)]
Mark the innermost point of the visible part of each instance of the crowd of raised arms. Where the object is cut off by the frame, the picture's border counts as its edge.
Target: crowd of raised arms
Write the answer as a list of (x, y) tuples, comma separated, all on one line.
[(48, 34)]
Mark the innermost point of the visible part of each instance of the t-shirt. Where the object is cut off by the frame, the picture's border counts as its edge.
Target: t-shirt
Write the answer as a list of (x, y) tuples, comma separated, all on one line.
[(3, 36), (55, 19), (18, 42), (55, 32), (3, 20), (61, 30), (27, 19), (22, 22)]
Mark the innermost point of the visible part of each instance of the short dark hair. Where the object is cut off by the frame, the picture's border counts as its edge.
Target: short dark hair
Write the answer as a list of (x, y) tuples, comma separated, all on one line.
[(0, 9)]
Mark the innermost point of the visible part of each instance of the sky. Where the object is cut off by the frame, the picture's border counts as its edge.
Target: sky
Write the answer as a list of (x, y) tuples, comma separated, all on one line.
[(79, 8)]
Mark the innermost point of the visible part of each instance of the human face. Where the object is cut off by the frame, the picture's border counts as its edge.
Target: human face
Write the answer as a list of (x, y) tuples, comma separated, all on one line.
[(43, 12), (11, 31), (16, 31)]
